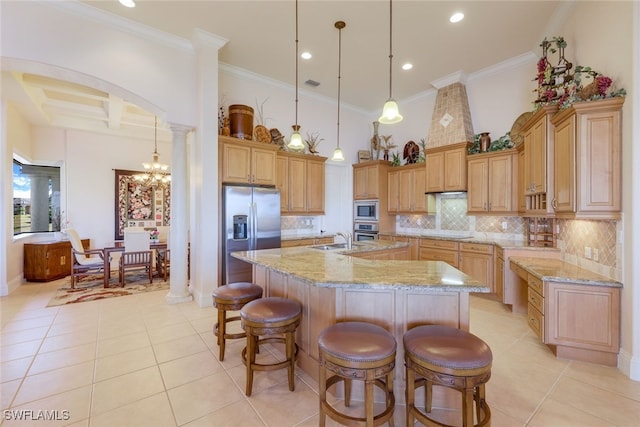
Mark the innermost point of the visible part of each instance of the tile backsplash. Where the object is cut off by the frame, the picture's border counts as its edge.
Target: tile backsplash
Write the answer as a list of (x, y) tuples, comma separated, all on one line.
[(601, 237)]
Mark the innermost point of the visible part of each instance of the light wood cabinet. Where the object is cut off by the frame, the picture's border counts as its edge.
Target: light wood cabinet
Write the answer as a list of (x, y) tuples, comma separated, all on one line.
[(393, 191), (498, 273), (522, 204), (538, 161), (290, 243), (439, 250), (492, 183), (246, 162), (577, 321), (406, 190), (370, 179), (300, 179), (397, 254), (476, 260), (588, 152), (46, 261), (447, 168), (414, 243)]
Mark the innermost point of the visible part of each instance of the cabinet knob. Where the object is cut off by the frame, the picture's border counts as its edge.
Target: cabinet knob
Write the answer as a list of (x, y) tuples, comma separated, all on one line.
[(554, 204)]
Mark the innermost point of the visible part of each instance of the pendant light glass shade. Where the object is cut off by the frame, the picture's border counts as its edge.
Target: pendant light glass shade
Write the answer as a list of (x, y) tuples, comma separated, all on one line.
[(390, 111), (295, 143), (338, 156), (296, 139)]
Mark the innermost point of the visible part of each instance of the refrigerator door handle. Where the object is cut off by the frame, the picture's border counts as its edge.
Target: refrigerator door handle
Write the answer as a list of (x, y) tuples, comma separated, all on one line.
[(254, 226)]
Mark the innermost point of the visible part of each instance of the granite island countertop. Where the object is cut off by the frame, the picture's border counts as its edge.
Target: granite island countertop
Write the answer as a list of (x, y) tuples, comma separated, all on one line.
[(342, 268), (560, 271)]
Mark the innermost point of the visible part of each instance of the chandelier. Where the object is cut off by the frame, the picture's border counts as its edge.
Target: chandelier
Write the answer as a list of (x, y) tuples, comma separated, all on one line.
[(155, 174)]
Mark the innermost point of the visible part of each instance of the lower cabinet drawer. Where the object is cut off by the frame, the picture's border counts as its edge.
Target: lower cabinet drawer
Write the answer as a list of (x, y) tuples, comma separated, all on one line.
[(536, 321), (536, 300), (450, 257), (536, 284)]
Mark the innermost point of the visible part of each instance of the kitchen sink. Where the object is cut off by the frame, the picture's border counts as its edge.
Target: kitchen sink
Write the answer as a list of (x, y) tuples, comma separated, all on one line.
[(336, 246)]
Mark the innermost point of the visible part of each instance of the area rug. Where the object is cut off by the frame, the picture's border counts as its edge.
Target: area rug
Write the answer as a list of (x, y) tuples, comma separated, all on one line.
[(89, 289)]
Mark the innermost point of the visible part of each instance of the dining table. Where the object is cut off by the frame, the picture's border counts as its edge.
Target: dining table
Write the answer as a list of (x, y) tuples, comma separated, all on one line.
[(118, 246)]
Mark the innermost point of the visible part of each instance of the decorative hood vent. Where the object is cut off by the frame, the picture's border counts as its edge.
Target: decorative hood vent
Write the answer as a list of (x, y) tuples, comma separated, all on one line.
[(451, 120)]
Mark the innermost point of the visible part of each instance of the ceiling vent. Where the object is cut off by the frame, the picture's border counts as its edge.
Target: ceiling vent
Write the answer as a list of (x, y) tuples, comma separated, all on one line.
[(312, 83), (451, 120)]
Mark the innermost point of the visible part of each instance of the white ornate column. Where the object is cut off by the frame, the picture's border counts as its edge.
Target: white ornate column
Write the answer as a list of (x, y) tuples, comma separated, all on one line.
[(205, 193), (178, 238)]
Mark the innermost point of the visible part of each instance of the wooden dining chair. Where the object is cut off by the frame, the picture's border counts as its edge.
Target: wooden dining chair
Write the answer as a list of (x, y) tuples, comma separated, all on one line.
[(85, 262), (163, 256), (136, 256)]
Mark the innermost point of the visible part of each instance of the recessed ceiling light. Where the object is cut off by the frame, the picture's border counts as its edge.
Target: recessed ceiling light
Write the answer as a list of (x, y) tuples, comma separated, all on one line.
[(407, 66), (128, 3), (456, 17), (306, 55)]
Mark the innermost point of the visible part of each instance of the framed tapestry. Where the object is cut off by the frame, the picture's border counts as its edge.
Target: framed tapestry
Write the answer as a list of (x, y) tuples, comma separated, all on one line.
[(139, 206)]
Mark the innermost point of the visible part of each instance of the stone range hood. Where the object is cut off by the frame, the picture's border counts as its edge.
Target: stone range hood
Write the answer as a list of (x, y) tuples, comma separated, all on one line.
[(451, 120)]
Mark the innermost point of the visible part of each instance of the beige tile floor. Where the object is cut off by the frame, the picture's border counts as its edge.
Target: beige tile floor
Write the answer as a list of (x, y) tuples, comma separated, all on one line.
[(136, 361)]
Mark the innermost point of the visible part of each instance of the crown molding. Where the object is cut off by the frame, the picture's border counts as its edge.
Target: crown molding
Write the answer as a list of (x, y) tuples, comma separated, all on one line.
[(456, 77), (517, 61), (123, 24)]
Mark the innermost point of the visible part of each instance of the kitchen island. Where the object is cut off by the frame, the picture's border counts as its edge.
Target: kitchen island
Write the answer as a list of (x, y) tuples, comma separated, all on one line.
[(371, 283)]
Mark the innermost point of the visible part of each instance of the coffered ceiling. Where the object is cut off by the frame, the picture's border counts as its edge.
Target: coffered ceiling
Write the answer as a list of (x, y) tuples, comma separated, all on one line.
[(261, 38)]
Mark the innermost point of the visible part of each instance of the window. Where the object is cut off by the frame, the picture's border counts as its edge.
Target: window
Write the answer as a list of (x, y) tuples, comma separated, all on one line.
[(36, 198)]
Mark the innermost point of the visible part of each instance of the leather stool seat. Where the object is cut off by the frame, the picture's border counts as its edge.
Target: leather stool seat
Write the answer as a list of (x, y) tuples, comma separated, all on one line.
[(357, 351), (229, 298), (270, 318), (448, 357)]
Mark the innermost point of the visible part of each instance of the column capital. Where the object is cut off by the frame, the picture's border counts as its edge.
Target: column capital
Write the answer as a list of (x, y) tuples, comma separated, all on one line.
[(179, 129)]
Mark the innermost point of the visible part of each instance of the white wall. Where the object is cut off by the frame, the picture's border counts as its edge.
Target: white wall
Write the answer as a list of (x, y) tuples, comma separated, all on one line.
[(18, 138)]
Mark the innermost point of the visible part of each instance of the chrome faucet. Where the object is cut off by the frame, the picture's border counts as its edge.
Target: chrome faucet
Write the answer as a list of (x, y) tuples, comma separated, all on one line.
[(347, 237)]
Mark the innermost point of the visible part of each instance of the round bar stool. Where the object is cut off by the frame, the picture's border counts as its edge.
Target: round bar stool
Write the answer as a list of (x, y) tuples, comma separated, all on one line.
[(229, 298), (448, 357), (357, 351), (269, 318)]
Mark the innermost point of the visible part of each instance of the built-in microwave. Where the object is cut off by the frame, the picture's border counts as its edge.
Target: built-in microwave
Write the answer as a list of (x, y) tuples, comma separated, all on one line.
[(365, 210)]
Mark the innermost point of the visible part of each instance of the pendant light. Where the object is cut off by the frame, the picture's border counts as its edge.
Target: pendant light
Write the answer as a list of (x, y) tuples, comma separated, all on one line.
[(337, 153), (390, 112), (295, 142)]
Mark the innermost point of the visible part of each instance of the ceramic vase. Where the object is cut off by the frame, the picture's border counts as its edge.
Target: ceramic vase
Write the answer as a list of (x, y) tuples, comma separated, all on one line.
[(485, 142), (375, 142)]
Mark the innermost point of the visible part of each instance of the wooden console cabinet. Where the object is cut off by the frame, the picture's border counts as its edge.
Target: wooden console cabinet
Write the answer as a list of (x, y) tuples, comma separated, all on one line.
[(46, 261)]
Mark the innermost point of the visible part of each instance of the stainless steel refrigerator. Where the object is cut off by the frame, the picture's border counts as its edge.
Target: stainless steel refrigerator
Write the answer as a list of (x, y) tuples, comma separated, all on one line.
[(251, 220)]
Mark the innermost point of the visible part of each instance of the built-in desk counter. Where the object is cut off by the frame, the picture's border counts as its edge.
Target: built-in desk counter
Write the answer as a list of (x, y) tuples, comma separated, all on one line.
[(339, 285), (574, 311)]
